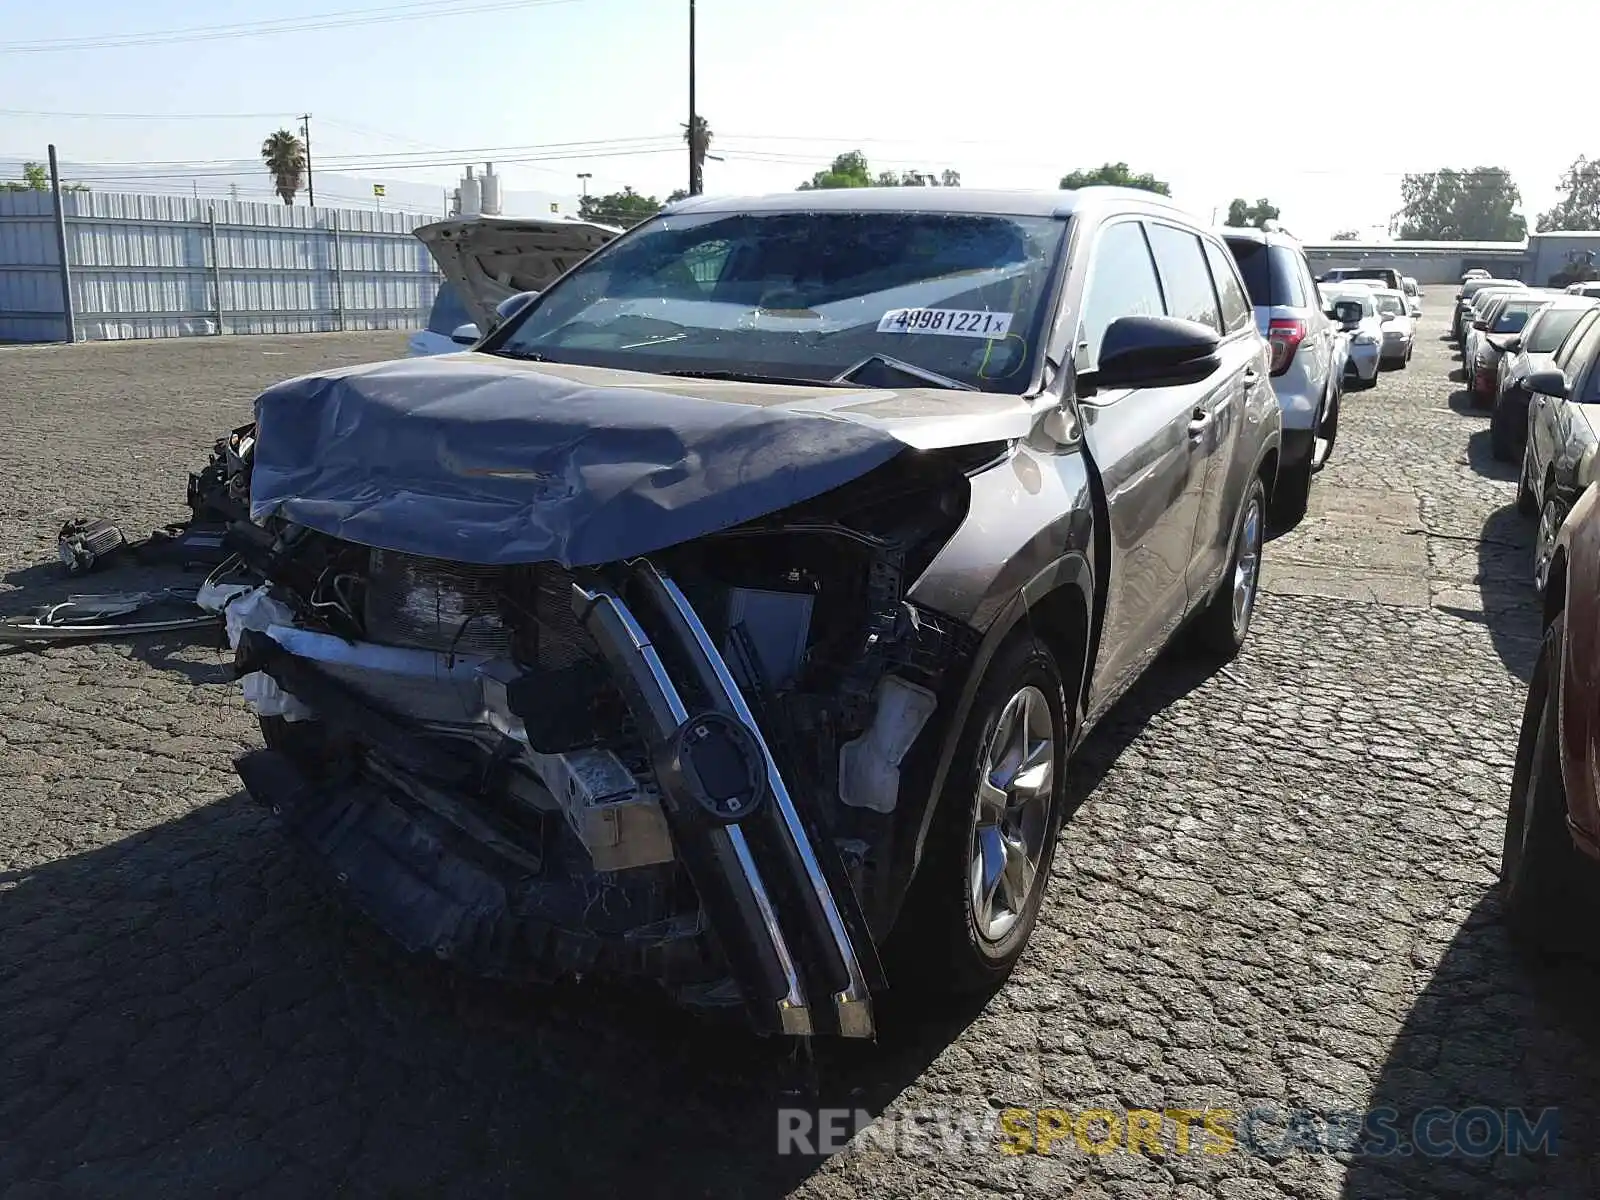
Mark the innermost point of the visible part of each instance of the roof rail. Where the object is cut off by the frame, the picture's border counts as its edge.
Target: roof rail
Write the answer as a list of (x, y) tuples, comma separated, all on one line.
[(1127, 193)]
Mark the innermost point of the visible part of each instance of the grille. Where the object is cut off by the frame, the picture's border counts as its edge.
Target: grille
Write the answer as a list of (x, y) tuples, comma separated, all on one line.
[(562, 642), (434, 605)]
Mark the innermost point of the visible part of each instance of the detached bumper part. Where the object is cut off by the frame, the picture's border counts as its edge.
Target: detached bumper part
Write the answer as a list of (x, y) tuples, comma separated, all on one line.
[(825, 943)]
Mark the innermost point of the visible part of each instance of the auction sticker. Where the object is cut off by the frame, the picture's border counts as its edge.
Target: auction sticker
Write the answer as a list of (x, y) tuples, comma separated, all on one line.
[(947, 322)]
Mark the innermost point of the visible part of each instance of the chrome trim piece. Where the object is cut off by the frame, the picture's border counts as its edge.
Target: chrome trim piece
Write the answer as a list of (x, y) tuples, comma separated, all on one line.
[(794, 1017), (853, 1005)]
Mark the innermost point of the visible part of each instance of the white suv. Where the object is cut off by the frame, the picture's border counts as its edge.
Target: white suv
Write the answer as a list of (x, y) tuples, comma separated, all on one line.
[(1304, 342)]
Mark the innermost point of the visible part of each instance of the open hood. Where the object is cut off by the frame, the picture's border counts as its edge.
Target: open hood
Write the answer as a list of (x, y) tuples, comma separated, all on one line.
[(490, 259)]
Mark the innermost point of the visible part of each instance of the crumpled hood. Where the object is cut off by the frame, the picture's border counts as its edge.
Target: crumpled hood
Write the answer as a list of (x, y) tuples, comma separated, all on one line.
[(479, 459)]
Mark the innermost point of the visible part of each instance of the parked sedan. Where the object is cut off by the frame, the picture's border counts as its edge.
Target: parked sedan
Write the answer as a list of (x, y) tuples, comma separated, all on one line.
[(1468, 293), (1503, 321), (1550, 860), (1355, 312), (732, 612), (1394, 319), (1475, 322), (1413, 293), (1559, 462), (1527, 352)]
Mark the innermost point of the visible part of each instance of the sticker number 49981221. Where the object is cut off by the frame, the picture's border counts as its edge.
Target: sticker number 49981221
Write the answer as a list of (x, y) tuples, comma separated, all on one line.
[(949, 322)]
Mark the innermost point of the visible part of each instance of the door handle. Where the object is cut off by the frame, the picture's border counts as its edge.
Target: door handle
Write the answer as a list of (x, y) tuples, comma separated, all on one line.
[(1251, 375), (1200, 422)]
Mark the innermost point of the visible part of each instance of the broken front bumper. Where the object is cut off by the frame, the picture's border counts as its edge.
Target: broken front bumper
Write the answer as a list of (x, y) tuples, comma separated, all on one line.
[(771, 887)]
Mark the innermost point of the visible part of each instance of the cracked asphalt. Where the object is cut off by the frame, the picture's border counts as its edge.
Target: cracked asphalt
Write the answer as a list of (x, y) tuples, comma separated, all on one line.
[(1276, 894)]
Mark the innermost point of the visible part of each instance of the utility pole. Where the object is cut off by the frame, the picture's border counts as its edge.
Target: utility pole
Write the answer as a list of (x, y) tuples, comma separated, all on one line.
[(694, 122), (583, 179), (69, 316), (305, 136)]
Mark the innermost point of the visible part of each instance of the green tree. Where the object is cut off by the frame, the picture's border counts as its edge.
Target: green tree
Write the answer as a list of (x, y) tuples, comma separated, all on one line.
[(1243, 215), (1346, 235), (678, 194), (625, 208), (36, 178), (850, 170), (1116, 175), (1579, 206), (285, 157), (1477, 205)]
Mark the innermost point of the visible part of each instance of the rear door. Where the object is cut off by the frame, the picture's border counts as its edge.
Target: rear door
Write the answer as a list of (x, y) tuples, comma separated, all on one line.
[(1151, 464), (1190, 291)]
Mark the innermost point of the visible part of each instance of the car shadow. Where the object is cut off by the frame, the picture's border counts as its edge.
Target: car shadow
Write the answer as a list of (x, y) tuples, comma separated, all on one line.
[(1463, 402), (185, 1012), (1492, 1029), (1480, 457), (1507, 604)]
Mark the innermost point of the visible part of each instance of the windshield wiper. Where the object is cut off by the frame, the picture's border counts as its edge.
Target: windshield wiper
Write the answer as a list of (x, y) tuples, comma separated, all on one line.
[(904, 368), (752, 377), (520, 355)]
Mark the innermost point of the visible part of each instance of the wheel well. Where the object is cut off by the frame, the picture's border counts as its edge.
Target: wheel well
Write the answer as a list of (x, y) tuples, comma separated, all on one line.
[(1268, 472), (1061, 620), (1555, 588)]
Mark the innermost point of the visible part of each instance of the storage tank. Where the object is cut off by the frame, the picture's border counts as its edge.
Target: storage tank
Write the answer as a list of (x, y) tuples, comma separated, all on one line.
[(491, 191), (471, 195)]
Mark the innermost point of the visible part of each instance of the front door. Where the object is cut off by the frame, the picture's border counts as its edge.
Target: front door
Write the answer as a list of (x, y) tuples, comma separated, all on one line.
[(1149, 447)]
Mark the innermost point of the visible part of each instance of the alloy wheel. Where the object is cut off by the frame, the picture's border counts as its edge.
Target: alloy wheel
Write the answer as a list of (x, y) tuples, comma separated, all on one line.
[(1015, 794), (1247, 566), (1550, 518)]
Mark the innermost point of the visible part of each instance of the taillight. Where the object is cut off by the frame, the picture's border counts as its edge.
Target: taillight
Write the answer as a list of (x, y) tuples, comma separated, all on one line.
[(1285, 335)]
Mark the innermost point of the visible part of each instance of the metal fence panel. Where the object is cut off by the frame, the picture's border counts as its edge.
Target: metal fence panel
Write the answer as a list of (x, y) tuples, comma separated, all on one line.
[(176, 266)]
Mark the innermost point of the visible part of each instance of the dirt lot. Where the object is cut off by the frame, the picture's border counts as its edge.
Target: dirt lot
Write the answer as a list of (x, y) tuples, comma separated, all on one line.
[(1277, 894)]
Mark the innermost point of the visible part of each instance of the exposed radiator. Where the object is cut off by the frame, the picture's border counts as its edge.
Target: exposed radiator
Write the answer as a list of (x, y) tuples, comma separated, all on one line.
[(434, 605)]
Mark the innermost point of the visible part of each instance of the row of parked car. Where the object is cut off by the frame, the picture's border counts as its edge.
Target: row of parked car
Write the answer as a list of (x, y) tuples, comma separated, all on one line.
[(1534, 354), (1530, 353)]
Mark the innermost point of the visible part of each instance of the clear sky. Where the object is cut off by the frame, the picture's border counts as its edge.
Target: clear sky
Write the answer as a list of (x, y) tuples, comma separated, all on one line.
[(1318, 107)]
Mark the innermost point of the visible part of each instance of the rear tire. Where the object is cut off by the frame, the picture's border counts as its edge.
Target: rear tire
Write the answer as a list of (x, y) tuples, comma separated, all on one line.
[(973, 904), (1291, 495), (1548, 886), (1224, 623), (1527, 502), (1500, 444)]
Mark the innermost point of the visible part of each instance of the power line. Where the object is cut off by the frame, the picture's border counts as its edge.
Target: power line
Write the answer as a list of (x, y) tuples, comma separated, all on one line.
[(343, 19), (83, 116)]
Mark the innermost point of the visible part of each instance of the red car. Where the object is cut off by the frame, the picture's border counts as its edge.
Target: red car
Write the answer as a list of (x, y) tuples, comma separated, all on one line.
[(1550, 865)]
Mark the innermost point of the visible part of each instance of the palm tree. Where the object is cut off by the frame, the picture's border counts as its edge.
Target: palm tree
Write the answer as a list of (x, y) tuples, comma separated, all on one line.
[(699, 142), (285, 156)]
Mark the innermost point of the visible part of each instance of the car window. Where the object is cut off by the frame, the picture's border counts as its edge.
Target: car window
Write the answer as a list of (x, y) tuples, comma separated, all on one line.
[(1391, 305), (1585, 378), (1548, 328), (1512, 317), (1122, 283), (1290, 270), (448, 313), (1564, 354), (1256, 267), (1185, 278), (1235, 304), (806, 294)]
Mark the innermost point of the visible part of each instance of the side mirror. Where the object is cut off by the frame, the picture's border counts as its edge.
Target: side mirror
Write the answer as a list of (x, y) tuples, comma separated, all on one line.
[(512, 305), (1347, 313), (1549, 382), (1512, 346), (1480, 325), (1153, 352), (465, 335)]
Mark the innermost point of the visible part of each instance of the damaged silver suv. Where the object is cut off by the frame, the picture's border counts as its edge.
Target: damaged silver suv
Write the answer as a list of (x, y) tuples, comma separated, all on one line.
[(728, 617)]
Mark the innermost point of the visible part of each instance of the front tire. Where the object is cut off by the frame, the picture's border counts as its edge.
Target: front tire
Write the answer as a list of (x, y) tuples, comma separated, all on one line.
[(1547, 885), (1224, 623), (977, 893)]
